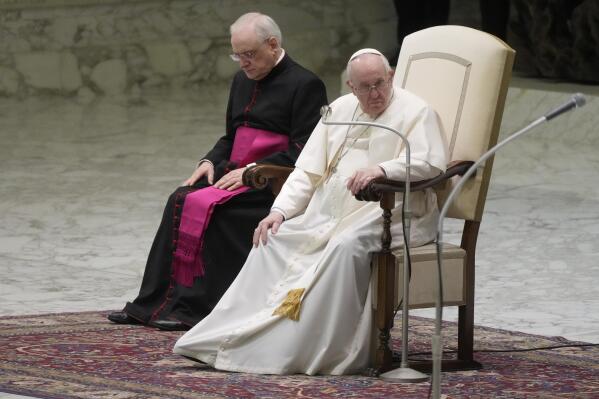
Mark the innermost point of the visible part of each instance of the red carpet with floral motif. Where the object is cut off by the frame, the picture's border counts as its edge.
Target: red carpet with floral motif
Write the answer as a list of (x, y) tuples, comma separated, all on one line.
[(82, 355)]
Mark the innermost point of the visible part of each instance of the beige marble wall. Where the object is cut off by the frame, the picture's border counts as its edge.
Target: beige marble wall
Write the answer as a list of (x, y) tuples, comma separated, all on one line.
[(74, 48)]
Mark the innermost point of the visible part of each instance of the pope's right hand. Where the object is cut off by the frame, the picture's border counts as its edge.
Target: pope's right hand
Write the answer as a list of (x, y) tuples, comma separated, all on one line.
[(272, 221)]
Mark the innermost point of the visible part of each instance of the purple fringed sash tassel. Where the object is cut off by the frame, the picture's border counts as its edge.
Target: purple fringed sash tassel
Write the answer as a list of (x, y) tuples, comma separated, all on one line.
[(250, 144)]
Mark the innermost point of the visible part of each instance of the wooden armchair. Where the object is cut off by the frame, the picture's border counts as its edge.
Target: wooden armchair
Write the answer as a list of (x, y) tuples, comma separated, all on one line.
[(463, 74)]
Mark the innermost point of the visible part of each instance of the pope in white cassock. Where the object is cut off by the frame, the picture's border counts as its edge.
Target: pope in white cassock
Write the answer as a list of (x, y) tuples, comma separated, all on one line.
[(302, 301)]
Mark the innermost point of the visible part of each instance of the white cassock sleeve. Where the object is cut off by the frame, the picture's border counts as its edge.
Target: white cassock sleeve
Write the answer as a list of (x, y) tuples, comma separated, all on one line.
[(301, 183), (427, 150), (296, 193)]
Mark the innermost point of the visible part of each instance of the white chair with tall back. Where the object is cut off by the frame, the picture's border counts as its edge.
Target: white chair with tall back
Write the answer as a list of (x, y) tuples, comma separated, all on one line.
[(464, 75)]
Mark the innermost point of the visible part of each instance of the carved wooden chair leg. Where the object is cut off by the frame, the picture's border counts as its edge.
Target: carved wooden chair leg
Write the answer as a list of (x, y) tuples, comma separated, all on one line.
[(385, 288)]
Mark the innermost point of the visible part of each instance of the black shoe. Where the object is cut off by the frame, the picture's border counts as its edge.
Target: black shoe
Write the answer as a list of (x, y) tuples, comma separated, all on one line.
[(169, 325), (122, 318), (193, 359)]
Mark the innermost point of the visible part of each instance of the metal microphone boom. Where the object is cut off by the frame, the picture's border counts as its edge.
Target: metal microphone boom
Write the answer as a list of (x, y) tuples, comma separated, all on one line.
[(576, 101), (404, 373)]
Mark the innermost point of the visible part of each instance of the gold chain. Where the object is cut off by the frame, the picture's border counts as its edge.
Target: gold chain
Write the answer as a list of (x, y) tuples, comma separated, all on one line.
[(345, 150)]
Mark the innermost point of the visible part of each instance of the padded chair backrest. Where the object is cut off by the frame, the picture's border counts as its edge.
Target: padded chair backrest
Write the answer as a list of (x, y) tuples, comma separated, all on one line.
[(464, 75)]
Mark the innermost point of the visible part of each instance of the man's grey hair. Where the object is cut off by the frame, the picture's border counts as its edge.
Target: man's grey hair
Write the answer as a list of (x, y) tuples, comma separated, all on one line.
[(358, 54), (264, 26)]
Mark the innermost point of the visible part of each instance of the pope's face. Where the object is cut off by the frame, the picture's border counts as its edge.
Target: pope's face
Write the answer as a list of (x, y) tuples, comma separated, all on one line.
[(371, 84), (256, 58)]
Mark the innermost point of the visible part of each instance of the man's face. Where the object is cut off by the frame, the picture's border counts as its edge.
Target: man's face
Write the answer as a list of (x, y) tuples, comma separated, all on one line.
[(371, 84), (256, 58)]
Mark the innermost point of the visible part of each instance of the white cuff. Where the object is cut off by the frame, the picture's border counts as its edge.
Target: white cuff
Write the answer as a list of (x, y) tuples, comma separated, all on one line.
[(383, 169), (204, 160)]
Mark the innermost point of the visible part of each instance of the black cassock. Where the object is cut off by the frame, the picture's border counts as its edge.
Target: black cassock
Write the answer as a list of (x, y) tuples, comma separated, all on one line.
[(287, 101)]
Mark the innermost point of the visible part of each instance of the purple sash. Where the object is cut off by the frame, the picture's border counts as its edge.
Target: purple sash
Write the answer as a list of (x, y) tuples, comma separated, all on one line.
[(250, 144)]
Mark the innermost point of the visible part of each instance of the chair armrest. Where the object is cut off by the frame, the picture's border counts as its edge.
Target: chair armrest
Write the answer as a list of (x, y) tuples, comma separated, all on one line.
[(259, 176), (377, 187)]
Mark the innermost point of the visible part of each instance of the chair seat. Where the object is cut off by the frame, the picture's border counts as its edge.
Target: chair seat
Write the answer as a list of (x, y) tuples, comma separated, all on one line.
[(424, 276)]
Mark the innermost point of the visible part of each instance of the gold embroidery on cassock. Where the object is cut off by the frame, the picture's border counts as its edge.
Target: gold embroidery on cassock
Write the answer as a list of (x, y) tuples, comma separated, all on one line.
[(290, 307)]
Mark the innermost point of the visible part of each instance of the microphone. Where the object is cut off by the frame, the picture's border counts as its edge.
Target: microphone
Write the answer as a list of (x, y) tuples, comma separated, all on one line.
[(576, 101), (325, 111)]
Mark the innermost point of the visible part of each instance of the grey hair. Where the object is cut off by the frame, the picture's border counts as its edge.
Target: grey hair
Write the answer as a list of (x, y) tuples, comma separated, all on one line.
[(356, 57), (264, 26)]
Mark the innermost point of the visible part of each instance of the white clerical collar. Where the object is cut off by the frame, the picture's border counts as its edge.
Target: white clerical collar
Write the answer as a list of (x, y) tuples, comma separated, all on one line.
[(280, 57), (363, 116)]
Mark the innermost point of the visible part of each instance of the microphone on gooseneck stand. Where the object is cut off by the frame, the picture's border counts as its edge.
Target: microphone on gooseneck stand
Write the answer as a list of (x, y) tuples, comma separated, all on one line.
[(576, 101), (404, 373)]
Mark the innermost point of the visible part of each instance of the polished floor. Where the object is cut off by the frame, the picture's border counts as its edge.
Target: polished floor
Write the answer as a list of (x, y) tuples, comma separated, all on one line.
[(83, 183)]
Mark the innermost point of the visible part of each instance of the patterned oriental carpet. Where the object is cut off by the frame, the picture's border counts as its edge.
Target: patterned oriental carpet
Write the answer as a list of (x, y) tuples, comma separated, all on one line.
[(82, 355)]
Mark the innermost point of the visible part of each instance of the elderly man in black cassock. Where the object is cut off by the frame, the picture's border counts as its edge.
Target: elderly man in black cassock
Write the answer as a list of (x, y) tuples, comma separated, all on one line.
[(207, 226)]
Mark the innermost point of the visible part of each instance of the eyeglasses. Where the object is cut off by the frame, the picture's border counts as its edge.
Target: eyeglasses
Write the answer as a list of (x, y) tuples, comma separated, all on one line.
[(378, 86), (246, 55)]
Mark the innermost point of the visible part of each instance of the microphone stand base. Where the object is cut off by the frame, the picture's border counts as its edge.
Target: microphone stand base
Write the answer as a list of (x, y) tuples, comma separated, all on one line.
[(426, 366), (404, 374)]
